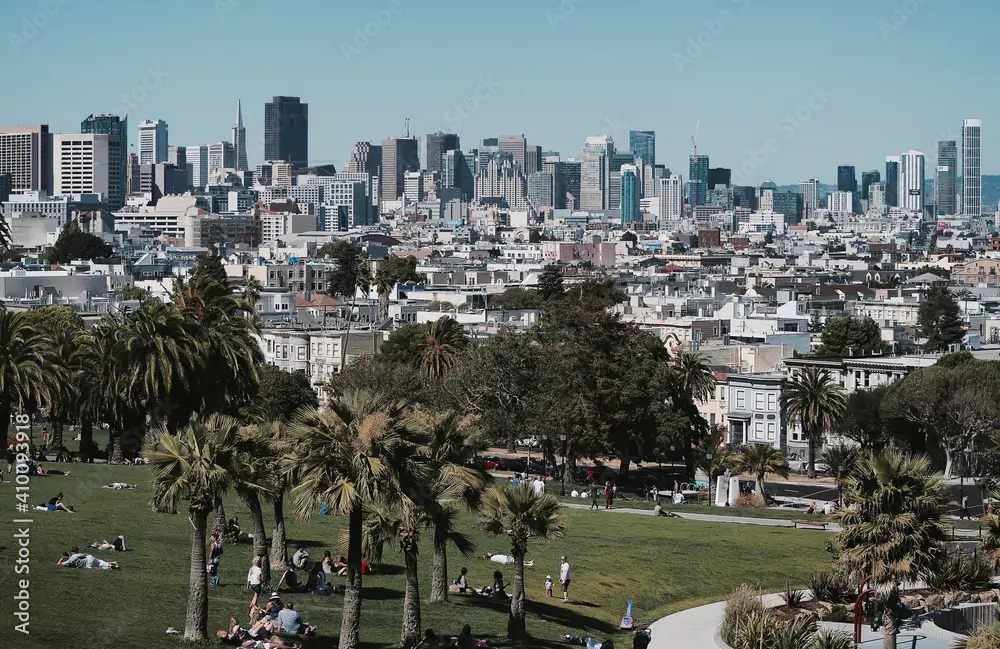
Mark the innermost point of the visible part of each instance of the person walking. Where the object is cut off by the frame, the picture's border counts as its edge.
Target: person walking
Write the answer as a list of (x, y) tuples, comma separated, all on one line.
[(214, 557), (254, 578), (609, 496), (594, 489), (565, 576), (964, 513)]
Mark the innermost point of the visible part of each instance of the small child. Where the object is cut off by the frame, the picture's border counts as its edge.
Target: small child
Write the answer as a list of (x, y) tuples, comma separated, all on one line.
[(548, 585)]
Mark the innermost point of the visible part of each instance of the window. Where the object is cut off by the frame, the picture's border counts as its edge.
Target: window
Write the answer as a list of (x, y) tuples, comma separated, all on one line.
[(302, 352), (741, 399), (758, 400), (711, 419), (758, 430), (772, 401), (771, 434)]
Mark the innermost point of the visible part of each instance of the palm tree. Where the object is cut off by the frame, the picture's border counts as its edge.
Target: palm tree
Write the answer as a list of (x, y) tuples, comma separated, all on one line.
[(399, 523), (450, 443), (816, 401), (97, 367), (841, 460), (358, 452), (991, 536), (251, 480), (696, 377), (892, 530), (197, 464), (519, 514), (714, 458), (26, 364), (759, 460), (446, 338)]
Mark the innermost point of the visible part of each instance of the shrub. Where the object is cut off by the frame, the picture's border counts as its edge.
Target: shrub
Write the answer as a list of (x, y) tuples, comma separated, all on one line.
[(754, 627), (749, 500), (985, 637), (741, 603), (959, 571), (830, 586), (799, 633), (838, 613), (793, 598), (828, 639)]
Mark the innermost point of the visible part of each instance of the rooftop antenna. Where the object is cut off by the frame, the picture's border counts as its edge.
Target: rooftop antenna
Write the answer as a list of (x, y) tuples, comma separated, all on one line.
[(407, 120)]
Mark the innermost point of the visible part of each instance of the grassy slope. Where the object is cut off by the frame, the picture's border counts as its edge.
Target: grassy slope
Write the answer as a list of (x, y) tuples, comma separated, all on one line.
[(663, 565)]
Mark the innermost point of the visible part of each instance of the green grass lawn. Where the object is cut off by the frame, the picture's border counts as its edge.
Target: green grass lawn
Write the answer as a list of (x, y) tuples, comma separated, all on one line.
[(664, 565), (705, 508)]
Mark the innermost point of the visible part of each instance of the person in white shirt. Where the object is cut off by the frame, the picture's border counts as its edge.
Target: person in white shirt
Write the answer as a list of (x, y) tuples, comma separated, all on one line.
[(538, 485), (505, 559), (254, 578), (565, 576), (300, 559)]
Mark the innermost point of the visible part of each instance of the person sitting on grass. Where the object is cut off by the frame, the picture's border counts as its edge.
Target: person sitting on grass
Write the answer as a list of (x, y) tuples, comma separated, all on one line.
[(273, 643), (117, 546), (505, 559), (461, 583), (289, 582), (465, 639), (430, 641), (121, 486), (659, 511), (291, 621), (317, 581), (340, 565), (301, 557), (56, 504), (273, 606)]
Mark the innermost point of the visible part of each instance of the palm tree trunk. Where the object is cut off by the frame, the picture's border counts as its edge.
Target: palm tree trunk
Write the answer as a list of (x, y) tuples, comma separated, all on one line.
[(760, 488), (56, 440), (87, 447), (350, 624), (279, 542), (5, 412), (196, 623), (259, 535), (811, 470), (889, 629), (439, 574), (219, 522), (410, 636), (515, 625), (383, 304), (115, 456)]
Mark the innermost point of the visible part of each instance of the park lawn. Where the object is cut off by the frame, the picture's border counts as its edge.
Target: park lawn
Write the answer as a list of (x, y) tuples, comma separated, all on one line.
[(704, 508), (663, 565)]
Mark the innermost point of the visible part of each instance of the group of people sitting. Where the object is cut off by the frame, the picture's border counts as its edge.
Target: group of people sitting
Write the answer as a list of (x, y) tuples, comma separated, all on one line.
[(76, 559), (496, 590), (276, 616), (318, 573), (464, 640)]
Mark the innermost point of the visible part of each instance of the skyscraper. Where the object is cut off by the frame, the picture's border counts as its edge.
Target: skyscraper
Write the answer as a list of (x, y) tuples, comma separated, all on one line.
[(671, 195), (516, 146), (399, 155), (502, 179), (643, 145), (567, 184), (286, 131), (81, 163), (719, 176), (972, 180), (594, 172), (618, 160), (457, 173), (867, 178), (152, 142), (26, 154), (533, 159), (911, 181), (892, 180), (541, 189), (366, 158), (847, 179), (117, 129), (791, 204), (437, 144), (240, 140), (945, 189), (698, 179), (630, 195), (197, 165), (220, 156), (810, 195)]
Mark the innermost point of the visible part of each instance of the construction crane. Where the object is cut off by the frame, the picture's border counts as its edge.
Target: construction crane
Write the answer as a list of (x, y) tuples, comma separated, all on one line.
[(694, 138)]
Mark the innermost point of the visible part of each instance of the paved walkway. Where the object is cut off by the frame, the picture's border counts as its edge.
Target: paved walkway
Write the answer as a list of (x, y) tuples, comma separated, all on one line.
[(744, 520)]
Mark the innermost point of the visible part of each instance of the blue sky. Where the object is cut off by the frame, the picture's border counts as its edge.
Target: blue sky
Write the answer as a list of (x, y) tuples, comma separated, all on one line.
[(779, 89)]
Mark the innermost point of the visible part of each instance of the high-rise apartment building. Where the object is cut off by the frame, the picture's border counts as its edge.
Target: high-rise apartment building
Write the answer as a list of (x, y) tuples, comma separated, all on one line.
[(810, 195), (892, 180), (275, 173), (643, 145), (595, 173), (671, 195), (516, 146), (197, 165), (286, 131), (972, 179), (541, 189), (945, 185), (720, 177), (399, 155), (26, 154), (911, 181), (437, 145), (81, 164), (533, 159), (116, 128), (413, 186), (366, 158), (132, 177), (867, 178), (876, 200), (152, 142), (841, 203), (220, 156), (502, 179), (457, 172), (698, 179), (567, 174), (240, 140), (630, 193)]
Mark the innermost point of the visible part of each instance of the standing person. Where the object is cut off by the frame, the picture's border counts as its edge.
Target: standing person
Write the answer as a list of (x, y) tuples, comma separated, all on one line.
[(538, 485), (253, 581), (965, 509), (609, 496), (214, 557), (565, 576), (594, 491)]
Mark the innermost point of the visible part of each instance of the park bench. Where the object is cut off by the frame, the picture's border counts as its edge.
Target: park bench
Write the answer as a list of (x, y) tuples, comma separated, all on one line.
[(816, 525)]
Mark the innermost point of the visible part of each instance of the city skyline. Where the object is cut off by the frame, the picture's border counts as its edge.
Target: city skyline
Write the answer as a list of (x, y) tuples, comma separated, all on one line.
[(696, 48)]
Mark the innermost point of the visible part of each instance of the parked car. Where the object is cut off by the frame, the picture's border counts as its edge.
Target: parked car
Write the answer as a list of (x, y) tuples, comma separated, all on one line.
[(493, 462)]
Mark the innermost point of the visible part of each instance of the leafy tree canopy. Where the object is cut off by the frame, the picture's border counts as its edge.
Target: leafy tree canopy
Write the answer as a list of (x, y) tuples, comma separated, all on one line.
[(850, 336), (74, 243), (52, 320), (281, 393), (939, 319)]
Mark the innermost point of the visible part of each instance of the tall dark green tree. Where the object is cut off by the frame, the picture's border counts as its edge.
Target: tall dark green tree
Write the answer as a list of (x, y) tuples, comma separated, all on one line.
[(850, 336), (939, 319), (390, 272), (550, 283), (74, 243), (281, 393)]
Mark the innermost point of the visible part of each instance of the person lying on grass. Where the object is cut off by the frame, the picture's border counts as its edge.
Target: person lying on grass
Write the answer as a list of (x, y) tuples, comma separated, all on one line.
[(117, 546), (121, 486), (37, 469), (79, 560), (504, 559)]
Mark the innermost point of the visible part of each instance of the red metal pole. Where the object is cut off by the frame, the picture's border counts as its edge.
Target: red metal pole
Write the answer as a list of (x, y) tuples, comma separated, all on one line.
[(859, 611)]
